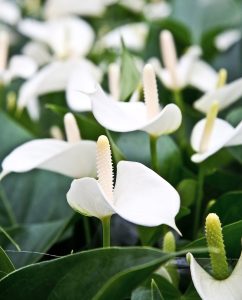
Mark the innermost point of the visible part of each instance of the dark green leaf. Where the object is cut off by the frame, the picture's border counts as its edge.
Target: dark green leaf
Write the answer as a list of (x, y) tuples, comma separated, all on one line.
[(155, 291), (187, 189), (228, 207), (97, 274), (6, 266), (135, 147), (130, 76), (167, 289)]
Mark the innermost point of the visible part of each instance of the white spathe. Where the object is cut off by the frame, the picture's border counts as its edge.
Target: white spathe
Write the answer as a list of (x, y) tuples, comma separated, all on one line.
[(71, 159), (223, 135), (190, 70), (210, 288), (9, 12), (38, 51), (67, 37), (225, 95), (20, 66), (129, 116), (227, 39), (157, 10), (58, 76), (140, 196), (59, 8), (133, 34)]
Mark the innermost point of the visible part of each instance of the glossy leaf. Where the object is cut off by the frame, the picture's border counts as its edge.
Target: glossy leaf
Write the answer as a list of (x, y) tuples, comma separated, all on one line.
[(115, 272), (187, 189), (155, 291), (232, 240), (228, 207), (6, 266), (130, 76)]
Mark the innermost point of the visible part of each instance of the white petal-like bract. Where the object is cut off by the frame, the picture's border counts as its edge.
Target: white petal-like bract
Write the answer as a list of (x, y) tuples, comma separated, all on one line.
[(210, 288), (74, 160)]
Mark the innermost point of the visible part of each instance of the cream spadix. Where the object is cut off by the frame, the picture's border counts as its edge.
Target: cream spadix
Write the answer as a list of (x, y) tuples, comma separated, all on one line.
[(114, 80), (74, 158), (139, 194), (4, 47), (169, 55), (207, 132), (150, 92), (189, 69), (73, 134)]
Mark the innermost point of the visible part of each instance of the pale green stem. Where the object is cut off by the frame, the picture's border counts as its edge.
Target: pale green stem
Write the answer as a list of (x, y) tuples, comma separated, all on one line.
[(87, 230), (199, 197), (178, 99), (153, 153), (106, 231), (182, 130)]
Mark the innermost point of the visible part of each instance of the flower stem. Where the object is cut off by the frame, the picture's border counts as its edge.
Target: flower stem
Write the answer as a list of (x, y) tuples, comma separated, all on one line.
[(178, 99), (182, 130), (199, 198), (106, 231), (87, 230), (153, 153)]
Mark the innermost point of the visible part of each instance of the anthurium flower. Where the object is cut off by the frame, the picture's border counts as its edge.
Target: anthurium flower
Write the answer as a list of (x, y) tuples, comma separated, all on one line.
[(139, 195), (129, 116), (133, 35), (210, 288), (74, 158), (57, 76), (225, 94), (211, 134), (221, 284), (188, 70), (67, 37), (82, 84), (18, 65)]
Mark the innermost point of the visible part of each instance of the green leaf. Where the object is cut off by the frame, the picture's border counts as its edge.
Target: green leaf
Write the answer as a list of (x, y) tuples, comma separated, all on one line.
[(187, 189), (232, 239), (155, 291), (34, 239), (141, 293), (6, 266), (135, 147), (130, 76), (228, 207), (10, 128), (202, 16), (33, 206), (97, 274), (166, 288)]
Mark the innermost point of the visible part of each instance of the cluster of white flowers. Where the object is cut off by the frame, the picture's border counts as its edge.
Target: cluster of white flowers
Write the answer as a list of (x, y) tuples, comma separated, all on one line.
[(56, 59)]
